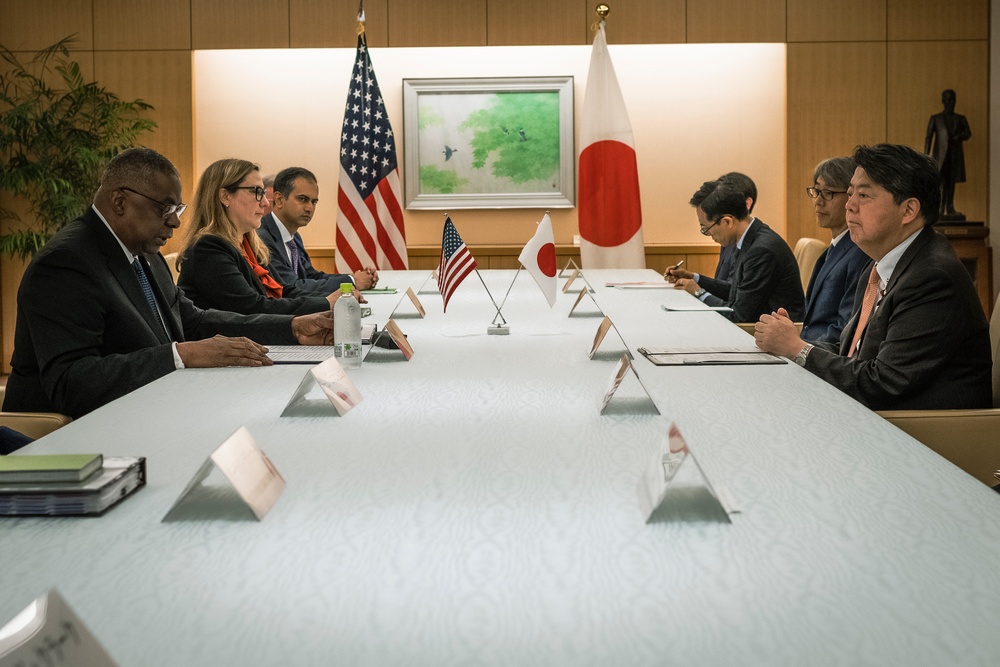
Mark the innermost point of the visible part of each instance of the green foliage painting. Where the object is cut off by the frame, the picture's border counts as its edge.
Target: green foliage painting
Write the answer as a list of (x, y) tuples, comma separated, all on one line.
[(522, 131), (503, 142), (440, 180)]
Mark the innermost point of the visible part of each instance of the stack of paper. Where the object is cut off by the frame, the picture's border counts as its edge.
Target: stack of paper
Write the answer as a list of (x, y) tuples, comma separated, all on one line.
[(119, 477)]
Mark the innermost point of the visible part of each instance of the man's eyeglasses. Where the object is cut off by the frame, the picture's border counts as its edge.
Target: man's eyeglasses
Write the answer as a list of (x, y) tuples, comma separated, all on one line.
[(827, 195), (705, 230), (168, 211), (258, 192)]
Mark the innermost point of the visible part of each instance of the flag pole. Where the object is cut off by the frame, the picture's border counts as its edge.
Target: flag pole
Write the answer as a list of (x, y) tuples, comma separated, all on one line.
[(504, 302), (503, 326)]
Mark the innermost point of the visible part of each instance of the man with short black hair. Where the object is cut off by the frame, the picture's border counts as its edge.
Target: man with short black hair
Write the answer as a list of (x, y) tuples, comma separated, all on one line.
[(919, 338), (296, 194), (99, 315), (765, 274)]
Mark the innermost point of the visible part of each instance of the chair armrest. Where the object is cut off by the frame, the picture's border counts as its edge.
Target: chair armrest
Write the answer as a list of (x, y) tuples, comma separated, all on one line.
[(968, 438), (34, 424)]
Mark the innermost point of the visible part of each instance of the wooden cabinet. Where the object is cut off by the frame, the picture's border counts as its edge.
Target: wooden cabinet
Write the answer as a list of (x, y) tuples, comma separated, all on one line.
[(971, 242)]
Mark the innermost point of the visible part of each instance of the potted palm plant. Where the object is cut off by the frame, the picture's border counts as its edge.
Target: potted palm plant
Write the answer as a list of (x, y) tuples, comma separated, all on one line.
[(55, 139)]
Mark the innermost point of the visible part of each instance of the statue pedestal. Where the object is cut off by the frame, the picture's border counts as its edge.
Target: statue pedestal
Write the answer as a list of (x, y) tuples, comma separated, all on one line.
[(970, 240)]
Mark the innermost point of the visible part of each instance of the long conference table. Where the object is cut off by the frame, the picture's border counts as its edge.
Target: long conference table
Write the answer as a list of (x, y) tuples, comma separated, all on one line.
[(477, 509)]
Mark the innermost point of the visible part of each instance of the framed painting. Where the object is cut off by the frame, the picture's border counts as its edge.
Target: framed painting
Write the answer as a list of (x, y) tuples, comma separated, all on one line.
[(489, 143)]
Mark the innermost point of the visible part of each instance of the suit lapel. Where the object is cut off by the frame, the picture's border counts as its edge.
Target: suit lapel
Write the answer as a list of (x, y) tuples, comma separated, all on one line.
[(739, 254), (124, 274)]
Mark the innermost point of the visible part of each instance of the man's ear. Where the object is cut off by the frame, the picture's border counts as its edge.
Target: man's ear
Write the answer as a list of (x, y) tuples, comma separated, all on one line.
[(117, 199), (911, 210)]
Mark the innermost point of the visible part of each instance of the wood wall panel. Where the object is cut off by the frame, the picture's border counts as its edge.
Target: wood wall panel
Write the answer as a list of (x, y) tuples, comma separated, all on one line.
[(843, 21), (437, 23), (239, 24), (711, 21), (917, 73), (31, 25), (937, 19), (641, 21), (527, 22), (169, 91), (331, 23), (825, 118), (141, 25)]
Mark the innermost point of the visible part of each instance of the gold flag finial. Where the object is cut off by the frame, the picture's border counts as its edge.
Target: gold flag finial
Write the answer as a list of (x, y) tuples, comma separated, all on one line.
[(361, 17), (602, 12)]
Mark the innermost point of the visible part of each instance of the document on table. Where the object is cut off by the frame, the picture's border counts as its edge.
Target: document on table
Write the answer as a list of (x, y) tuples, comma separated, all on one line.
[(641, 285), (708, 357), (693, 308)]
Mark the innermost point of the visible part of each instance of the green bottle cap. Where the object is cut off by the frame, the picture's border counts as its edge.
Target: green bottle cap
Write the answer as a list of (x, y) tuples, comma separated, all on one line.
[(346, 288)]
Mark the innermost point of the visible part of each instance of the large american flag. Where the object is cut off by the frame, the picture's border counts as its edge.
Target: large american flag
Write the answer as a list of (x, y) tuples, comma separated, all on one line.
[(456, 262), (369, 215)]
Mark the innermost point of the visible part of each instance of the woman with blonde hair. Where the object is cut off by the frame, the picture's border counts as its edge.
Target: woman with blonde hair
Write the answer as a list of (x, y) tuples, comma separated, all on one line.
[(223, 263)]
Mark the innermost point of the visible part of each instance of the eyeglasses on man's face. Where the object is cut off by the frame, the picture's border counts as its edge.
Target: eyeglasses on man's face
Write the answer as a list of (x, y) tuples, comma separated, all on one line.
[(258, 192), (168, 210), (706, 230), (827, 195)]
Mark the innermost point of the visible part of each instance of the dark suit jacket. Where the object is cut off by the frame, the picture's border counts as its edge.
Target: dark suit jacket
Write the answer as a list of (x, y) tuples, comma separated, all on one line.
[(307, 280), (927, 345), (765, 277), (727, 255), (215, 274), (830, 297), (85, 334)]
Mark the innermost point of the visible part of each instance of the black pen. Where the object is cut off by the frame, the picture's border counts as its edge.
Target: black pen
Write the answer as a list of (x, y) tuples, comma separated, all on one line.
[(671, 268)]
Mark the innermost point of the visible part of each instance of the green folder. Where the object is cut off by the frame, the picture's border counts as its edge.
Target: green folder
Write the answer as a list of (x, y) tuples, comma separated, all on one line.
[(31, 468)]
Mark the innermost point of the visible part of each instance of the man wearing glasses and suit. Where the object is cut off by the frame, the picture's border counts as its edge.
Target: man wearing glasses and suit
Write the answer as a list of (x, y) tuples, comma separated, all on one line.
[(99, 315), (764, 274)]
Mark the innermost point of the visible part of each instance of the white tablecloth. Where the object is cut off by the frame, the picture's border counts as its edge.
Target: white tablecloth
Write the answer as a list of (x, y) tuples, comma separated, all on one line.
[(476, 508)]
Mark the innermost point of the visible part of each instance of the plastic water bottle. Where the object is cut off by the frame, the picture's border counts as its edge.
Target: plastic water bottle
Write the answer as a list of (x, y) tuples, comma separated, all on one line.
[(347, 328)]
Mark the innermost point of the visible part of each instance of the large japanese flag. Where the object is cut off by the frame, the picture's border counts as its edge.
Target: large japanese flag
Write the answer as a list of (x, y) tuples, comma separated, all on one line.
[(539, 258), (609, 209)]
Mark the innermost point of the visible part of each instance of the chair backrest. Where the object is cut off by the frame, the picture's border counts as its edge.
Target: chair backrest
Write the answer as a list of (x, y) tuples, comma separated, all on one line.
[(807, 251), (33, 424), (995, 344), (171, 258)]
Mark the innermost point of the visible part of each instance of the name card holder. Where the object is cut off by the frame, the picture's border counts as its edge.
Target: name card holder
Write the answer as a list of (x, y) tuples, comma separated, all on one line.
[(579, 300), (623, 369), (433, 287), (396, 338), (662, 471), (570, 263), (247, 470), (412, 296), (333, 381), (572, 278), (48, 633), (602, 331)]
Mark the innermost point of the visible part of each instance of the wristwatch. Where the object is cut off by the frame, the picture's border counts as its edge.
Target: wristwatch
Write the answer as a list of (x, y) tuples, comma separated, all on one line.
[(800, 358), (701, 290)]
